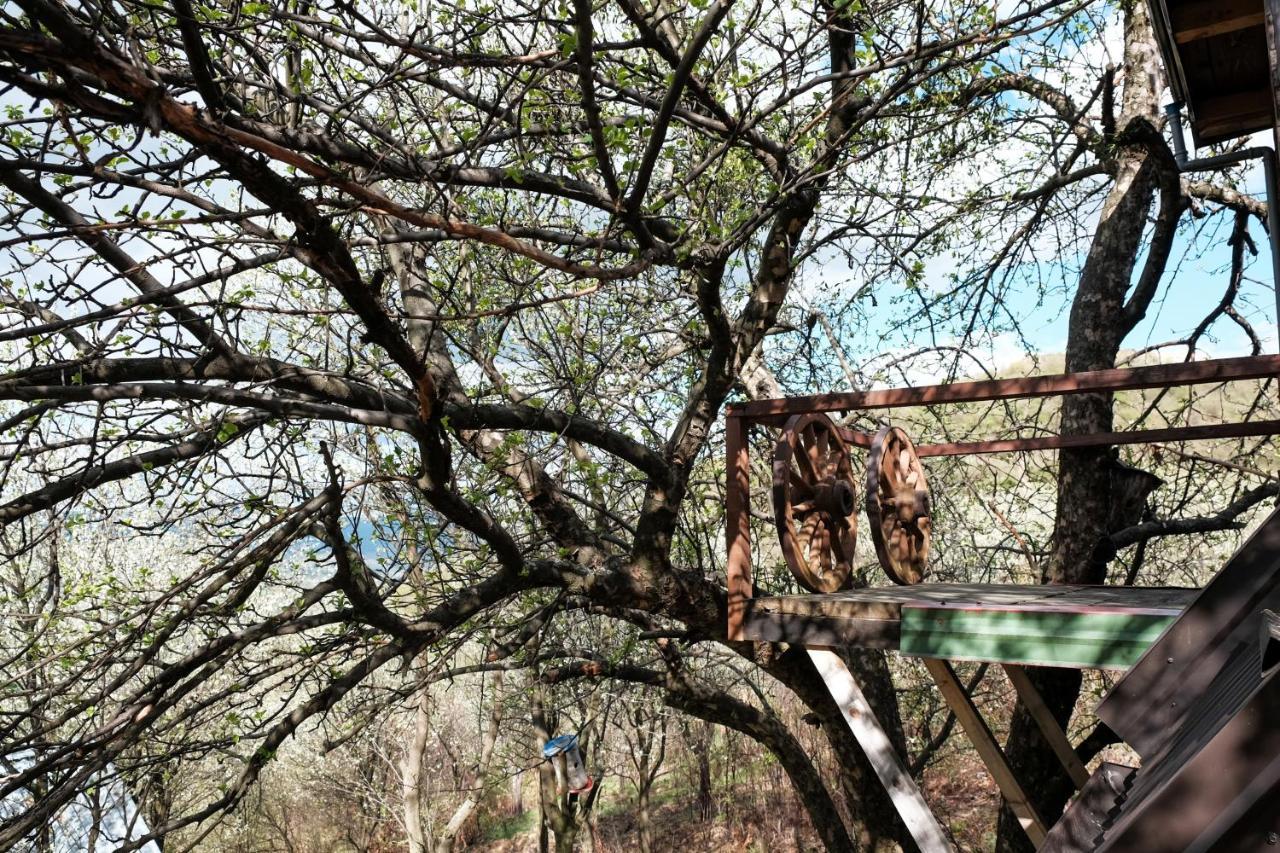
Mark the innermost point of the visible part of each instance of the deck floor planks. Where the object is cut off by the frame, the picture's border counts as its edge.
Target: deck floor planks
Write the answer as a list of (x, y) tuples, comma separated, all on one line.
[(886, 602), (1034, 624)]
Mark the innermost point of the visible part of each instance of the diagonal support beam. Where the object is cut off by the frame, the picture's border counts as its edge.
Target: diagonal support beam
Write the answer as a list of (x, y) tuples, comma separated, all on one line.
[(987, 747), (737, 517), (1049, 728), (895, 777)]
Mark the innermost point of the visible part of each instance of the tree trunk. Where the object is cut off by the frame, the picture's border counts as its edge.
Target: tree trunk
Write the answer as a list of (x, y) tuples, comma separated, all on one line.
[(643, 823), (566, 838), (447, 839), (1099, 321), (411, 775), (706, 800), (517, 794), (543, 846), (647, 753), (559, 811)]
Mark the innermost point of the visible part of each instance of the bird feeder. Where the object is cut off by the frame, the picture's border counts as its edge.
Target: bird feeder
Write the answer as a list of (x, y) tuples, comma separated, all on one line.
[(567, 758)]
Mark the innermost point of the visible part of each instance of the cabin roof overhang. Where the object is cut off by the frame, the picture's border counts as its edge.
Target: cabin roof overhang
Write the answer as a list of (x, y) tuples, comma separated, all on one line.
[(1220, 59)]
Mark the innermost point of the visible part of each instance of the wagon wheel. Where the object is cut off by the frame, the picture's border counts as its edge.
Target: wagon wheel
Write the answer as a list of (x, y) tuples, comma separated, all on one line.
[(814, 503), (898, 506)]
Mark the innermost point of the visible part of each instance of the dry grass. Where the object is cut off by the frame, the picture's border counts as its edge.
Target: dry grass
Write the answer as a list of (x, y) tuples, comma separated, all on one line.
[(959, 788)]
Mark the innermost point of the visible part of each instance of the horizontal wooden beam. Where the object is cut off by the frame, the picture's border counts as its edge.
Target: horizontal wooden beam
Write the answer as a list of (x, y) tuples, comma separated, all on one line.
[(1075, 640), (1118, 379), (1100, 439), (1230, 115), (1207, 18)]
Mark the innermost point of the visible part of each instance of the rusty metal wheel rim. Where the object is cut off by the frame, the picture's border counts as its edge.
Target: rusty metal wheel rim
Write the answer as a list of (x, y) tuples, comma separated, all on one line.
[(815, 503), (898, 506)]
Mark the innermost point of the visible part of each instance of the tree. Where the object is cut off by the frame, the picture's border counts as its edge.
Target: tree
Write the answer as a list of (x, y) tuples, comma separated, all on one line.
[(647, 748), (311, 283), (1101, 507)]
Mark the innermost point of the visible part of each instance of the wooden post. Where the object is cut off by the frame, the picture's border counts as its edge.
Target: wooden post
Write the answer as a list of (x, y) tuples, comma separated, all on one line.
[(988, 749), (895, 777), (737, 504), (1053, 734)]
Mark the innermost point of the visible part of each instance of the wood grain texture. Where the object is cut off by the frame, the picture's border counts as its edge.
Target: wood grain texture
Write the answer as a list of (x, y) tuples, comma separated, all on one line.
[(984, 743), (889, 767)]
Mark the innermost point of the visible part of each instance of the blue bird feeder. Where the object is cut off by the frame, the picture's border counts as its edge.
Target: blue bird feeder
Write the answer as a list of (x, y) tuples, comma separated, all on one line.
[(565, 748)]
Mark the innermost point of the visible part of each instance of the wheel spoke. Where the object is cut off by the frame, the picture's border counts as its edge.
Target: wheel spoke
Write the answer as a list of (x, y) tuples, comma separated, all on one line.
[(810, 525), (805, 463), (799, 484), (824, 547), (887, 464), (817, 461), (908, 549), (807, 436), (848, 546)]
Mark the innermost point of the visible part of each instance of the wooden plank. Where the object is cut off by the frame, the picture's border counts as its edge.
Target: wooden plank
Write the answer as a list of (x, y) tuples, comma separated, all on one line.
[(821, 631), (1154, 697), (1117, 379), (1207, 18), (1080, 639), (886, 602), (889, 767), (737, 522), (1231, 115), (1194, 432), (988, 750), (1053, 733)]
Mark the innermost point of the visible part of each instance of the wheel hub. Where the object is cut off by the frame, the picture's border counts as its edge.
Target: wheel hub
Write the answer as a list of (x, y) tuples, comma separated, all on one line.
[(834, 498)]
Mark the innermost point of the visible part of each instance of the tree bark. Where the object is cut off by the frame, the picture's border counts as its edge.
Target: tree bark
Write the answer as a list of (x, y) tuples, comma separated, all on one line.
[(411, 775), (517, 794), (1098, 324), (447, 839), (559, 811)]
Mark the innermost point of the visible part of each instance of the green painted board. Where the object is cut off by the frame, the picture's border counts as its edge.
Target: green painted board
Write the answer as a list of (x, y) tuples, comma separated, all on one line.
[(1097, 639)]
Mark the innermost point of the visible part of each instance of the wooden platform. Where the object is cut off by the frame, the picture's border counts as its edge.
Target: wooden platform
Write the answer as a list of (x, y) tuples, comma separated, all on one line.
[(1083, 627)]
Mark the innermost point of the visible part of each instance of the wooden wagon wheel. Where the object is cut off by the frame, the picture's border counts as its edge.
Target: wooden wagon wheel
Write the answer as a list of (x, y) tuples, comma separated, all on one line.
[(898, 506), (814, 503)]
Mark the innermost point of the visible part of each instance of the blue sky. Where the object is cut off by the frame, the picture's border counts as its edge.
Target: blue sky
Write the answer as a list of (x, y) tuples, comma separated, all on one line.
[(1193, 284)]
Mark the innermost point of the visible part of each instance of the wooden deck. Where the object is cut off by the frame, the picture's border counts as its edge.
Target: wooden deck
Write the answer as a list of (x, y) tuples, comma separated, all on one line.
[(1101, 627)]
